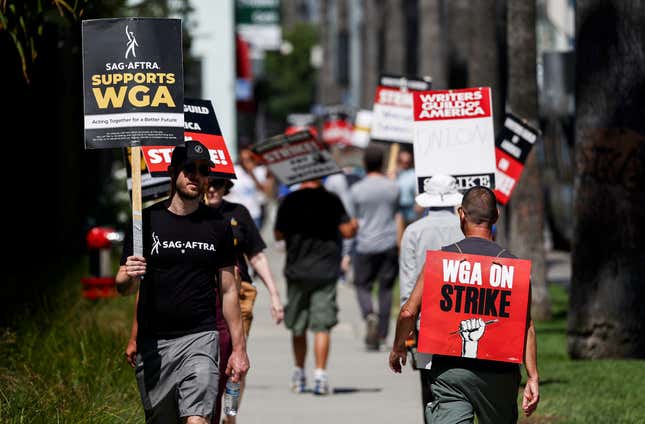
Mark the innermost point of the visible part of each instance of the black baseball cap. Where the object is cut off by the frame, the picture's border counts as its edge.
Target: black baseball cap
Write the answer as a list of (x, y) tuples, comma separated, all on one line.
[(192, 151)]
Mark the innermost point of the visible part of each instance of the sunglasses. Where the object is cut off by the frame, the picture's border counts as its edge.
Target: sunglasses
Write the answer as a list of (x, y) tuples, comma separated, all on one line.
[(217, 184), (192, 168)]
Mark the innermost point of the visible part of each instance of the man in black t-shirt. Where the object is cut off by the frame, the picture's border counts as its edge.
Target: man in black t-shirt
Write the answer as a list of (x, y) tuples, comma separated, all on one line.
[(463, 388), (250, 246), (312, 220), (188, 253)]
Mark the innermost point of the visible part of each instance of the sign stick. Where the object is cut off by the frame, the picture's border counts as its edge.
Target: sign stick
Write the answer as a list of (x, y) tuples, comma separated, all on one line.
[(492, 321), (137, 227), (391, 163)]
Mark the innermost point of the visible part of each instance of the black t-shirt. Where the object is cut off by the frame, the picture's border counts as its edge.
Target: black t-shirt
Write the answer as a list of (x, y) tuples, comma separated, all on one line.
[(483, 247), (247, 238), (309, 219), (183, 255)]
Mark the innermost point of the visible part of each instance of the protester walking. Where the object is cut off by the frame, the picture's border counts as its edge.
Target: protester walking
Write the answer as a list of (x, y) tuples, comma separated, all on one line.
[(312, 222), (249, 246), (375, 202), (465, 388), (253, 188), (340, 184), (188, 261), (438, 228), (407, 181)]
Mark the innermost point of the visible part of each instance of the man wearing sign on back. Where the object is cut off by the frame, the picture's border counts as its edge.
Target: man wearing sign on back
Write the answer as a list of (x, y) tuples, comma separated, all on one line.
[(463, 387)]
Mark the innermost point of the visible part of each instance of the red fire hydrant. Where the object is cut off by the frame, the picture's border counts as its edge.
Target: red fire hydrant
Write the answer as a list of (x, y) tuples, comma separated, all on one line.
[(100, 284)]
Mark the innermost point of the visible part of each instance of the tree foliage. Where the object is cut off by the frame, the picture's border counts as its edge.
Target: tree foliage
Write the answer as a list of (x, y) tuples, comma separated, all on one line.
[(24, 20), (291, 86)]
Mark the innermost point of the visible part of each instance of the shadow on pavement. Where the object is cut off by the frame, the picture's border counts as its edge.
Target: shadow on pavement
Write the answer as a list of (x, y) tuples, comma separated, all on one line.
[(348, 390)]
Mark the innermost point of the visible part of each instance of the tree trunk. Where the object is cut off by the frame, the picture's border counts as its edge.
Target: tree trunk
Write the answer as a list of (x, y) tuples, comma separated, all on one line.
[(432, 48), (459, 40), (289, 14), (329, 91), (527, 204), (394, 14), (485, 52), (606, 316), (371, 51)]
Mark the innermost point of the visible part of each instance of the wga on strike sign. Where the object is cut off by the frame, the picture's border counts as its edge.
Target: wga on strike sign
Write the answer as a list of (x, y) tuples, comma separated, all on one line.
[(474, 306)]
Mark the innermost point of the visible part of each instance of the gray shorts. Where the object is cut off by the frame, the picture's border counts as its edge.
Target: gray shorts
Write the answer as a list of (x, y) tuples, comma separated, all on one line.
[(178, 377)]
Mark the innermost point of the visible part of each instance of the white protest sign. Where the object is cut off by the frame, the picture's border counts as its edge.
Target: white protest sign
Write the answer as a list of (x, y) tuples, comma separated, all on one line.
[(362, 127), (453, 135), (296, 157), (392, 112)]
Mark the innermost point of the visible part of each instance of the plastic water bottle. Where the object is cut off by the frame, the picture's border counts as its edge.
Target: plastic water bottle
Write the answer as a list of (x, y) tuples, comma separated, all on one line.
[(231, 398)]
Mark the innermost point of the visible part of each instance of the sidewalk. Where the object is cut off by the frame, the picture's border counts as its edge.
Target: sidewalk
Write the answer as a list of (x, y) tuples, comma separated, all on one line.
[(364, 389)]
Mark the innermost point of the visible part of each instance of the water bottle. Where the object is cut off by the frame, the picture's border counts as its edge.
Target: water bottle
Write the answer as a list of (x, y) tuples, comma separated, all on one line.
[(231, 398)]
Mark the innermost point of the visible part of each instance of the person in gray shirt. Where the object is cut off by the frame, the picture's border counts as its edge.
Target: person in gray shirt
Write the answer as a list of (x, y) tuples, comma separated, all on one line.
[(440, 227), (375, 202)]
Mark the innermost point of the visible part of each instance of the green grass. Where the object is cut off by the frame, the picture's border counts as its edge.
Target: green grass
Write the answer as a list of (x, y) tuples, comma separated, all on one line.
[(65, 363), (599, 391)]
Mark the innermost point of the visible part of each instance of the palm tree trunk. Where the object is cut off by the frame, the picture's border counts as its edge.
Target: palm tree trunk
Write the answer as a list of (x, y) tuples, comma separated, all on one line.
[(432, 49), (527, 204), (606, 315), (394, 14), (371, 51)]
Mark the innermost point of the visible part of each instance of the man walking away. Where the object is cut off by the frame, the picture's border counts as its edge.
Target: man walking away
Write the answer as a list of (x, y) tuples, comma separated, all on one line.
[(375, 202), (440, 227), (465, 387), (312, 220)]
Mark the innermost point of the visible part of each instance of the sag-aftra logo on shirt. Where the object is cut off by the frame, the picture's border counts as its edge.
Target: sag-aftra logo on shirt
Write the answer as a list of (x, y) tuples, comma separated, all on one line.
[(179, 244)]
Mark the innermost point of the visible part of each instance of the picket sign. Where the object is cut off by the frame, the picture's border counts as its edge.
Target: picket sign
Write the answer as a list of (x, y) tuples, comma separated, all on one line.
[(474, 306), (133, 91), (392, 115)]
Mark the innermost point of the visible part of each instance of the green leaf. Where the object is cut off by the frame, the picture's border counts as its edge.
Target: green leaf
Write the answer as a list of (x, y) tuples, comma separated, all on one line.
[(22, 25), (65, 5), (23, 60)]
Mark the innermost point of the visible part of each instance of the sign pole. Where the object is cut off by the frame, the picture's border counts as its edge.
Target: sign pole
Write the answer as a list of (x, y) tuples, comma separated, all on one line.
[(391, 163), (137, 228)]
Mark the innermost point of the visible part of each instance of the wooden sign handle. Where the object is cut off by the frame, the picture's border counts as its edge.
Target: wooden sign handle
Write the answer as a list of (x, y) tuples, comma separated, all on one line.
[(391, 163), (137, 222)]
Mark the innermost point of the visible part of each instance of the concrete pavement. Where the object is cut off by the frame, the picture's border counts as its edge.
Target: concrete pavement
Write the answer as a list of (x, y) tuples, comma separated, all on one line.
[(364, 389)]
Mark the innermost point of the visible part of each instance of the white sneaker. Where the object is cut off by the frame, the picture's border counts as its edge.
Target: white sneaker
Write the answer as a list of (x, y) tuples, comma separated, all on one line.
[(298, 381), (321, 386)]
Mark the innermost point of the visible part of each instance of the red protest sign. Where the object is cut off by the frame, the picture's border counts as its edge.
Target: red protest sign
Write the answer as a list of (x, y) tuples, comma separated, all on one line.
[(466, 103), (512, 147), (158, 157), (474, 306), (200, 124), (337, 129), (507, 175)]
